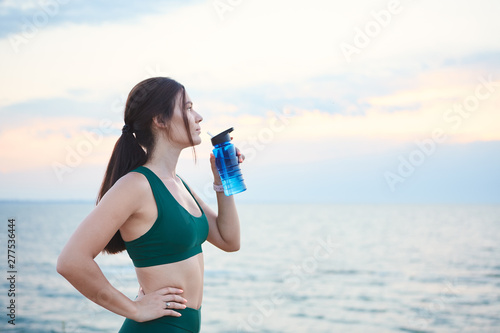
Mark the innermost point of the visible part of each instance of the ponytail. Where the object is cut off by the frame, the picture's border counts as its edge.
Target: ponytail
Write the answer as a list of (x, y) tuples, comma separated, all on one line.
[(127, 155)]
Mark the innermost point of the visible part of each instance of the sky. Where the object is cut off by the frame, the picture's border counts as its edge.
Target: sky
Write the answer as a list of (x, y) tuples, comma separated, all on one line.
[(332, 102)]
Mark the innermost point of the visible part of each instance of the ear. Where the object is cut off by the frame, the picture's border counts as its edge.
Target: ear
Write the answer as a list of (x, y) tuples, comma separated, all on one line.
[(159, 122)]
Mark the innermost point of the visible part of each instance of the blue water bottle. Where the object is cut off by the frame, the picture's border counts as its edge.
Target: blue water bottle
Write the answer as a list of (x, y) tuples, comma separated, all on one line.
[(227, 163)]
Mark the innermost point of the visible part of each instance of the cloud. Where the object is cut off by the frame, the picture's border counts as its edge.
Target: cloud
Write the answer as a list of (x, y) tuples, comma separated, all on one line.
[(44, 142), (15, 16), (421, 109), (257, 43), (272, 69)]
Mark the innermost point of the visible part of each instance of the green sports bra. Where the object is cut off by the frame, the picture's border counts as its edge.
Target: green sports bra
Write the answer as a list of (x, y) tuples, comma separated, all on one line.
[(176, 234)]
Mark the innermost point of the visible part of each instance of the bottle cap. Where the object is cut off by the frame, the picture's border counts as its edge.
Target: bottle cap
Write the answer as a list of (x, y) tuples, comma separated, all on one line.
[(222, 137)]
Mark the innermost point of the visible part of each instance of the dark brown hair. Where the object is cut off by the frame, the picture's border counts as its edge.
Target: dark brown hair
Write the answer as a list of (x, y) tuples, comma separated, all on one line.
[(148, 99)]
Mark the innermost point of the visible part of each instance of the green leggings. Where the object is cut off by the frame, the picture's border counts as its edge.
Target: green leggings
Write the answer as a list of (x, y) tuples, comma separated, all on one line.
[(189, 321)]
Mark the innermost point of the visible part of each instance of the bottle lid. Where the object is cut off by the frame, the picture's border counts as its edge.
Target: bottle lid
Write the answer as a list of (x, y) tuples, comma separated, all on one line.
[(222, 137)]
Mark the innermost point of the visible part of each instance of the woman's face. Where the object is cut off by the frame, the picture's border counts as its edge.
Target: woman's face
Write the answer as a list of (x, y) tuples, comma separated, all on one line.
[(178, 132)]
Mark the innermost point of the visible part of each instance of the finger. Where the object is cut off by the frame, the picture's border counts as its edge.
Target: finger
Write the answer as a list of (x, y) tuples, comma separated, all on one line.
[(170, 290), (172, 313), (174, 298), (214, 166), (241, 157), (174, 305)]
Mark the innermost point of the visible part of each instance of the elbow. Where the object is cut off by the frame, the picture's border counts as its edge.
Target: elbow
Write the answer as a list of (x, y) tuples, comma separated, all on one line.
[(232, 247), (63, 266)]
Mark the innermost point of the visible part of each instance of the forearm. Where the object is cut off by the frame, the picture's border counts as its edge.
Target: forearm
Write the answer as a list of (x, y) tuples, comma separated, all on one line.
[(86, 276), (227, 220)]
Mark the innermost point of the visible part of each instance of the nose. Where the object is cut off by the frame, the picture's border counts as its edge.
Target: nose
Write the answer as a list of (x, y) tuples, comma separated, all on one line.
[(198, 118)]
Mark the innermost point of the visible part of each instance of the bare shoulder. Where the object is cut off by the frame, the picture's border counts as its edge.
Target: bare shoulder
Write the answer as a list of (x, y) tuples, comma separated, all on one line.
[(129, 191), (133, 180), (132, 184)]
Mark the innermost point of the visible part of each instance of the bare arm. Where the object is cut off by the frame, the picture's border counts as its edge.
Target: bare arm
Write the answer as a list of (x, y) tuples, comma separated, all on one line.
[(76, 261)]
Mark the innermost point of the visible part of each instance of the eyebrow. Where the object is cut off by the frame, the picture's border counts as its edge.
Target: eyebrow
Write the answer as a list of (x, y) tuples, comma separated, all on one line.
[(189, 102)]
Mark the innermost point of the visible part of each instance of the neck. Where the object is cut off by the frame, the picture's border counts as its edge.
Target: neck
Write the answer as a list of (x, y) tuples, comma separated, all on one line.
[(164, 159)]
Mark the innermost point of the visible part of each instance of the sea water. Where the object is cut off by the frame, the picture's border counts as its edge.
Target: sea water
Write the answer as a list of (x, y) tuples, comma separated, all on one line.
[(301, 268)]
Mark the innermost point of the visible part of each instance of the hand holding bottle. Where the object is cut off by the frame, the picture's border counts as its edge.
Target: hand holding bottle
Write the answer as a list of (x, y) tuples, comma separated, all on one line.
[(226, 159)]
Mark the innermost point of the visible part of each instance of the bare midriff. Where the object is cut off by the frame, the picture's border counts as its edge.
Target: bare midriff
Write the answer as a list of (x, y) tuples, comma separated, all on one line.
[(186, 275)]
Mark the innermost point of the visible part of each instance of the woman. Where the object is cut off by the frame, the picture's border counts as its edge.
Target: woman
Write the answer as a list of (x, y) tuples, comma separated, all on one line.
[(145, 208)]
